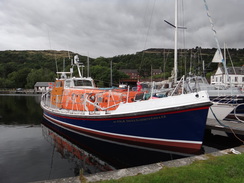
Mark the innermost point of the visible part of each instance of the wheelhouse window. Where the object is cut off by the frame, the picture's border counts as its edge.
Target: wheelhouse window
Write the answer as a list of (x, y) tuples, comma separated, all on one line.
[(82, 83), (67, 84), (59, 84), (199, 80)]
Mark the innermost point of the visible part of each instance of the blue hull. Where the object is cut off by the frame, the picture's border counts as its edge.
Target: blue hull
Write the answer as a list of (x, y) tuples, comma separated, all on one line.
[(170, 130), (117, 155)]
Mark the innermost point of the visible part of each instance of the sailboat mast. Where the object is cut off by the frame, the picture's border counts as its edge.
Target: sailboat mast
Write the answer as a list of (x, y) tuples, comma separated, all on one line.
[(215, 36), (111, 73), (176, 41), (88, 65)]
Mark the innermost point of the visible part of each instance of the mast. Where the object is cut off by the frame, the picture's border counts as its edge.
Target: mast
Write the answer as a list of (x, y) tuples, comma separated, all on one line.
[(176, 41), (88, 65), (226, 74), (215, 36), (77, 63), (111, 73)]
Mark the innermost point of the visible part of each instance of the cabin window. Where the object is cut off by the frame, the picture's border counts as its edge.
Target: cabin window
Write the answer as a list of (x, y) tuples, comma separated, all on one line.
[(242, 79), (67, 84), (236, 79), (82, 83), (59, 84)]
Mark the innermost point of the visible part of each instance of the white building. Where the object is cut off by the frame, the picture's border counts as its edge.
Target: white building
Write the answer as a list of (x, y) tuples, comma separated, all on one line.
[(236, 77), (41, 87)]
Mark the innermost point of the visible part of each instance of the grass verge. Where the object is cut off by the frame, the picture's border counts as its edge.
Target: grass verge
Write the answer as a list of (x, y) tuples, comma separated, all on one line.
[(228, 168)]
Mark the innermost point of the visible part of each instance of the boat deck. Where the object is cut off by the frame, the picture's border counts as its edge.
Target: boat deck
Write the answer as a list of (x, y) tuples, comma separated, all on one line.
[(228, 126)]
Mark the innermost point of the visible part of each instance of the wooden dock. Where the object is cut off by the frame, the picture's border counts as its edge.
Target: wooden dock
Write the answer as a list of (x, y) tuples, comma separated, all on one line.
[(228, 126)]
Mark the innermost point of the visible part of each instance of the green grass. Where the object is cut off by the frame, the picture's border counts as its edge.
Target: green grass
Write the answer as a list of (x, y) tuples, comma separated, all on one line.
[(223, 169)]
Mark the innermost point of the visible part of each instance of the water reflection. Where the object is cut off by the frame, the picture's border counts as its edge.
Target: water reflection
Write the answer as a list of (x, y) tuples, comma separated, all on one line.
[(81, 158), (20, 109), (95, 155)]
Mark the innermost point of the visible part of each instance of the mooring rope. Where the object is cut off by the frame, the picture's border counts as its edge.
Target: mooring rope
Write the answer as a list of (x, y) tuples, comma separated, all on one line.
[(236, 115), (226, 126)]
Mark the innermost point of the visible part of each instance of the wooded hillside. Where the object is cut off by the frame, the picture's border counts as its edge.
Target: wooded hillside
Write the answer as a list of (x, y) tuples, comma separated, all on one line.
[(22, 69)]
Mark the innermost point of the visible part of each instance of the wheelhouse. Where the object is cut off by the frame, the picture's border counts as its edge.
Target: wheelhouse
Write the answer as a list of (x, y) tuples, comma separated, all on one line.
[(79, 83)]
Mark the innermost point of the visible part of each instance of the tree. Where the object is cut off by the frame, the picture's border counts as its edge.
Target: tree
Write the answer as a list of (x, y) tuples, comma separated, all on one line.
[(39, 75), (100, 73), (19, 77), (25, 68)]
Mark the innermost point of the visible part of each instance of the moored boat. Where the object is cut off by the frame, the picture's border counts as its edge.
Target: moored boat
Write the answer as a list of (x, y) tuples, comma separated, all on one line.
[(219, 111), (172, 123)]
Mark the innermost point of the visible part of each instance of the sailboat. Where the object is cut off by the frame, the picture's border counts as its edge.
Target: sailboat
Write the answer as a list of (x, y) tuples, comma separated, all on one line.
[(225, 98), (173, 123)]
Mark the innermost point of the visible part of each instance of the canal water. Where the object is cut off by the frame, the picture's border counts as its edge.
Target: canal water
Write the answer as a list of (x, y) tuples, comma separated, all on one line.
[(32, 150)]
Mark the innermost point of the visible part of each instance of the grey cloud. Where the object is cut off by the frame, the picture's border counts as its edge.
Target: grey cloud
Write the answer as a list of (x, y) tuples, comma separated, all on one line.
[(113, 27)]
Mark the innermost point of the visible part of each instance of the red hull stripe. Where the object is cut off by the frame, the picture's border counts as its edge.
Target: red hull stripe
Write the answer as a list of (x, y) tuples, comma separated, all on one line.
[(130, 117)]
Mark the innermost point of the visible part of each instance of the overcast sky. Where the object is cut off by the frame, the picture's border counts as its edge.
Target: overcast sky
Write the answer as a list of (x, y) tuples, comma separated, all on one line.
[(115, 27)]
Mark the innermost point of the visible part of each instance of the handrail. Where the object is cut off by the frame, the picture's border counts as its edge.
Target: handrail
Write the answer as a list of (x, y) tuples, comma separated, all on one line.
[(182, 86), (46, 100)]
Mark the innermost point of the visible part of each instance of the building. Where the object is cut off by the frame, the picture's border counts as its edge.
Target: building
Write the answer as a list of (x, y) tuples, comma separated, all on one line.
[(156, 72), (41, 87), (133, 73), (236, 76), (134, 77)]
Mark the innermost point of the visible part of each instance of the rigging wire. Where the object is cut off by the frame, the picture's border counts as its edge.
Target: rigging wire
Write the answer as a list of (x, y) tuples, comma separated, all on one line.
[(182, 20), (148, 30), (149, 25), (166, 56), (231, 60), (182, 53), (215, 35), (55, 58)]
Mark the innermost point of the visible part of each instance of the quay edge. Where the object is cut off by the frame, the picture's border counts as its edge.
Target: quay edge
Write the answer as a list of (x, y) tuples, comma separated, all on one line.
[(145, 169)]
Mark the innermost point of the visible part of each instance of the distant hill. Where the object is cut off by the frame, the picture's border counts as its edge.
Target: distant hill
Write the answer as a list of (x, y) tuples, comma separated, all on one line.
[(22, 69)]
